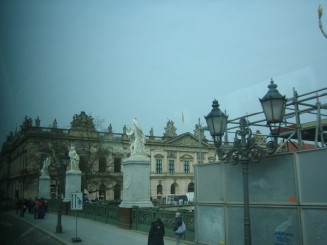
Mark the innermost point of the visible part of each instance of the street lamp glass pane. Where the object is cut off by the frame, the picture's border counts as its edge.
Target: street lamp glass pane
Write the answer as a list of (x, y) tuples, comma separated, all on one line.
[(274, 110), (216, 120), (216, 125), (273, 104)]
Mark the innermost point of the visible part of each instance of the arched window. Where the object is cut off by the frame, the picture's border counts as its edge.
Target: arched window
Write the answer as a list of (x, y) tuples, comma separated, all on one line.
[(159, 190), (190, 187), (173, 188)]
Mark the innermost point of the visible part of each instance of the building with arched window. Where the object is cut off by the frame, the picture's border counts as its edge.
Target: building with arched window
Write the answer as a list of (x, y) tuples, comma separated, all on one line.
[(172, 163), (101, 155)]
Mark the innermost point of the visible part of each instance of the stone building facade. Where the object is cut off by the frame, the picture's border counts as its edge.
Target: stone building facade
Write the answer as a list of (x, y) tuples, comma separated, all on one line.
[(101, 154)]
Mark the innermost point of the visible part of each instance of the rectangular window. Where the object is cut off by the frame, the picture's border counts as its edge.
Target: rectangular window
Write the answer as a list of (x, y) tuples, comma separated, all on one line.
[(159, 166), (186, 167), (117, 165), (53, 191), (171, 166), (102, 164)]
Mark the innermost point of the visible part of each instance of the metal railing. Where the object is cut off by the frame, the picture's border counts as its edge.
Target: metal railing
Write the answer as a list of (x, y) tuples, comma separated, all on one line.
[(141, 217)]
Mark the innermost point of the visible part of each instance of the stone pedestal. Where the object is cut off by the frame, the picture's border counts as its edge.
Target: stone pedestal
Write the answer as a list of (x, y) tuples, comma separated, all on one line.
[(136, 192), (125, 218), (44, 187), (73, 184)]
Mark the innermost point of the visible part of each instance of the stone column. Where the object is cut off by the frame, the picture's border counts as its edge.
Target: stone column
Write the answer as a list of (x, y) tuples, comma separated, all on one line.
[(136, 182)]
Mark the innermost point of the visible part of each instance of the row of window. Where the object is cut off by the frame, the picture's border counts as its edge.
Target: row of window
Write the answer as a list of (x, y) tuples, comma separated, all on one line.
[(171, 166), (190, 188), (103, 164)]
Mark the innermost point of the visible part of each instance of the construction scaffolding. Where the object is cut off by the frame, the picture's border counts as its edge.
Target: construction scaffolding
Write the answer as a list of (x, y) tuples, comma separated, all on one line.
[(304, 125)]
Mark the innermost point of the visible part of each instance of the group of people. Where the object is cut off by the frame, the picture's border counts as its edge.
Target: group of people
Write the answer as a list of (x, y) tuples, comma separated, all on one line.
[(38, 207), (157, 230)]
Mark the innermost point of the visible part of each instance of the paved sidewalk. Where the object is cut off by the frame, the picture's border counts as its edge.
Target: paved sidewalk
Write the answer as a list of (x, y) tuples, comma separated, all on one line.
[(89, 231)]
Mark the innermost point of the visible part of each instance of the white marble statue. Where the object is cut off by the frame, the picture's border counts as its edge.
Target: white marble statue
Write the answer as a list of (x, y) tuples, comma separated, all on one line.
[(137, 147), (74, 159), (45, 167)]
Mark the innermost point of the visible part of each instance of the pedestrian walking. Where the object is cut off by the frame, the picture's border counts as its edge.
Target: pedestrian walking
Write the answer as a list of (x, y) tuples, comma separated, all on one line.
[(179, 227), (157, 233), (36, 209)]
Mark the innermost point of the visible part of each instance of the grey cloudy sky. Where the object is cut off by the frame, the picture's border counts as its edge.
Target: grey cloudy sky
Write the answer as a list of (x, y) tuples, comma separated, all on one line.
[(153, 60)]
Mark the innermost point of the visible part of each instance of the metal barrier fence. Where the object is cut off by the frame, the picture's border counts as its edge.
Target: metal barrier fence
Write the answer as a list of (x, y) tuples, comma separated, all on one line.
[(287, 194)]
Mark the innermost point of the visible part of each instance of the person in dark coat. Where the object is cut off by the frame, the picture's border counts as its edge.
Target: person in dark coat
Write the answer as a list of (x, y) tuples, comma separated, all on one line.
[(157, 233)]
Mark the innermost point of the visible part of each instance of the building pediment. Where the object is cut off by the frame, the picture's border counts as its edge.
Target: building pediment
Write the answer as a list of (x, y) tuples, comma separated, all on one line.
[(186, 139)]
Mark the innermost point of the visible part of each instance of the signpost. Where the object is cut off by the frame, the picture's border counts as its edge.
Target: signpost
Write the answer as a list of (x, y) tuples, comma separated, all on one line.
[(76, 204)]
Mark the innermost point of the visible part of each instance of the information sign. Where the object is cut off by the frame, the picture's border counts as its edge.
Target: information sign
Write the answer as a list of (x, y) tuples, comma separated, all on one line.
[(77, 201)]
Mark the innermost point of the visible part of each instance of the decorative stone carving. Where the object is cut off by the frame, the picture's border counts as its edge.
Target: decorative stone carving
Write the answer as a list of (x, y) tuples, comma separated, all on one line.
[(127, 181), (186, 140), (198, 132), (172, 154), (170, 129), (82, 121), (37, 122), (28, 123), (54, 123), (151, 137)]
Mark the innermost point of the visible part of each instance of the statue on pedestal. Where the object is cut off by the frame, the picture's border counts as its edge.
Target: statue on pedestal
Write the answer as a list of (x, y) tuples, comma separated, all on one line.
[(136, 174), (137, 147), (74, 159), (44, 180)]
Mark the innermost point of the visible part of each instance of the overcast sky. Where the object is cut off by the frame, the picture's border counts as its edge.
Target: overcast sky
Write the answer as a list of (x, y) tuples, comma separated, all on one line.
[(153, 60)]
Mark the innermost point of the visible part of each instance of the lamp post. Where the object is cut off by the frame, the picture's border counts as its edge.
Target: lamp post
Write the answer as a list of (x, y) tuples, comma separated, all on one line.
[(245, 149), (61, 169)]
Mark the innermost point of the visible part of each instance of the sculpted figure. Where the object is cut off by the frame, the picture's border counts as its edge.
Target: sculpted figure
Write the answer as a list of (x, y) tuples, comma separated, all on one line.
[(74, 159), (45, 167), (54, 124), (137, 147)]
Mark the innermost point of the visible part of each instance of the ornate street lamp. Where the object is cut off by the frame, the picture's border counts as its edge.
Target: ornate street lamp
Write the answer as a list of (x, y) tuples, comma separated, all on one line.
[(61, 170), (216, 121), (245, 149), (273, 105)]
